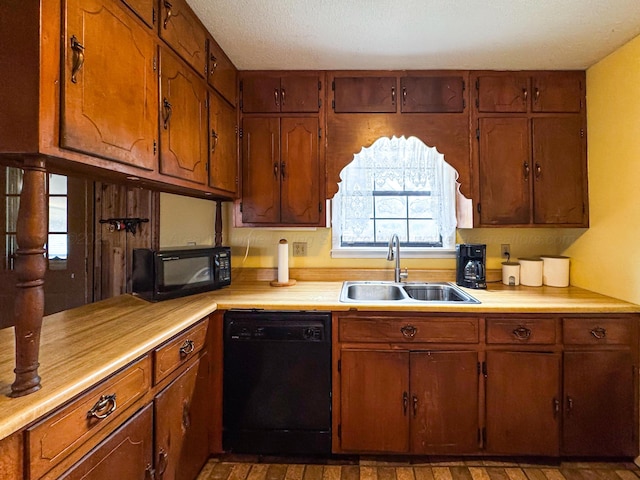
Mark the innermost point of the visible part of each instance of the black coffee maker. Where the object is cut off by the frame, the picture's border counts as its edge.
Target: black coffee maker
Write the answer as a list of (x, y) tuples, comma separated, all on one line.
[(471, 265)]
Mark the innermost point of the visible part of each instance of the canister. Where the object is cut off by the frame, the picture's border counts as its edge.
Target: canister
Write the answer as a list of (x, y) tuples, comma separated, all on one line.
[(531, 271), (555, 271), (511, 273)]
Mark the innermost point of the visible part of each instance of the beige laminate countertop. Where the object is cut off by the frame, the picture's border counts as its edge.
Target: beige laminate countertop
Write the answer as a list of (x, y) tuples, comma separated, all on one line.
[(80, 347)]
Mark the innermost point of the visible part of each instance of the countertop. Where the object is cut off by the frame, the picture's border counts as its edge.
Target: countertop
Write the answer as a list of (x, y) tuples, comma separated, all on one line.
[(82, 346)]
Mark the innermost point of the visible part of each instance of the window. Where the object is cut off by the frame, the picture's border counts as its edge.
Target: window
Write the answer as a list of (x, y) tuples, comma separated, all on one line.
[(397, 186), (58, 237)]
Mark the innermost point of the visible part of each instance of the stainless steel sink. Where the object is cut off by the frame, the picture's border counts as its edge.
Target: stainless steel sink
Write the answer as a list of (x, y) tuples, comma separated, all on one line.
[(391, 292)]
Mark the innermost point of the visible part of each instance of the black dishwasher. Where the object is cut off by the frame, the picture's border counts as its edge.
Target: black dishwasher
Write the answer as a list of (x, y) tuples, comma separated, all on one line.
[(277, 382)]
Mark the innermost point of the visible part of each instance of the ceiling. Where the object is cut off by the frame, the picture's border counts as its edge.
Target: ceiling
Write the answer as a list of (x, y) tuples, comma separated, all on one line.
[(418, 34)]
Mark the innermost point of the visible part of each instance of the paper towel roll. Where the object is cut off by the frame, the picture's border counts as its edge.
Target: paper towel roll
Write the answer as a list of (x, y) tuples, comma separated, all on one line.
[(555, 270), (283, 261)]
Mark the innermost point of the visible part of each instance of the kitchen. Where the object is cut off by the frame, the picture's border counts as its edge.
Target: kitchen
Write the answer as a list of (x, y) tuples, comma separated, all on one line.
[(611, 207)]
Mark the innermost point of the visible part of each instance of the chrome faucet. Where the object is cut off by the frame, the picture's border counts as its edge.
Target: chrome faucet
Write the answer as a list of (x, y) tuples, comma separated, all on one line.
[(398, 274)]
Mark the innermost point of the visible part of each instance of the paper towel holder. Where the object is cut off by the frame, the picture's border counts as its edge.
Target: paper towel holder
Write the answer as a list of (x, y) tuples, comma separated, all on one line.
[(283, 262)]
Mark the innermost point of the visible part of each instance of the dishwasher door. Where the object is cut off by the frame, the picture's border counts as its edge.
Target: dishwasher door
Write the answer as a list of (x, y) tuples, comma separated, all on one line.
[(277, 382)]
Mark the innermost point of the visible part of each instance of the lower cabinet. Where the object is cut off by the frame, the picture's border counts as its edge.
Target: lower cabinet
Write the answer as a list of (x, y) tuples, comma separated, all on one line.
[(126, 453), (409, 394), (522, 403), (181, 426)]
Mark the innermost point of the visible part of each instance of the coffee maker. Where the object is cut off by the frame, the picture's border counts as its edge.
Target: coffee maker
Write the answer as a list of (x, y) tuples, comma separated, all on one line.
[(471, 265)]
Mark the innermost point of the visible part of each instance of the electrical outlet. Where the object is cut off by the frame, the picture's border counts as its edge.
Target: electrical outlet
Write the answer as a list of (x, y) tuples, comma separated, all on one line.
[(505, 250), (299, 249)]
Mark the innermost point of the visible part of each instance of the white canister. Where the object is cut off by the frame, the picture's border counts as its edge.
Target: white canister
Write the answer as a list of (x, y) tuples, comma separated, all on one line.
[(555, 270), (531, 271), (511, 273)]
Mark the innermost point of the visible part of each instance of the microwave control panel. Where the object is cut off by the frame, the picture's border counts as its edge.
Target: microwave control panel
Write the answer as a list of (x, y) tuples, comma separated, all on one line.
[(223, 267)]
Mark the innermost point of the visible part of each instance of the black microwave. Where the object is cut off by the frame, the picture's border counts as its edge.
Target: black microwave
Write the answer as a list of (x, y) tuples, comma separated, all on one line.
[(171, 273)]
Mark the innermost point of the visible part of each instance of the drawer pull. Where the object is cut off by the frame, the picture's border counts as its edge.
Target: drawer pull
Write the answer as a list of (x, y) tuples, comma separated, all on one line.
[(187, 347), (104, 407), (409, 331), (522, 333), (599, 333)]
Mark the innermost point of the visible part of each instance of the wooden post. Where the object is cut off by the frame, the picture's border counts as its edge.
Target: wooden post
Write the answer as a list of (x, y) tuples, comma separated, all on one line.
[(218, 224), (30, 268)]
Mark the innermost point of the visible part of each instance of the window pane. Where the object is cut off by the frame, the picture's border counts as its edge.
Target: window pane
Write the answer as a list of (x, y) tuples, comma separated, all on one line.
[(423, 231), (14, 180), (360, 232), (13, 204), (421, 207), (57, 246), (385, 229), (57, 184), (57, 214), (391, 207)]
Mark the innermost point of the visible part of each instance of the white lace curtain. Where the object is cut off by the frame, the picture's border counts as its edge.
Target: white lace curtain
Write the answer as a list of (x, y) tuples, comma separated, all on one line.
[(397, 164)]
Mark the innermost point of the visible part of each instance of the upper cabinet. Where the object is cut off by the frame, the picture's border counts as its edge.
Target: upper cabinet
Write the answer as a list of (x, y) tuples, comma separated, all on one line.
[(531, 157), (183, 32), (286, 93), (183, 138), (433, 94), (109, 102), (223, 147), (364, 94), (145, 9), (221, 74), (520, 92)]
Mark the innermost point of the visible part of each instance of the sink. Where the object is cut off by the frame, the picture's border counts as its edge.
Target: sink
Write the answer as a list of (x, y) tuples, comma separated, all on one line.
[(391, 292)]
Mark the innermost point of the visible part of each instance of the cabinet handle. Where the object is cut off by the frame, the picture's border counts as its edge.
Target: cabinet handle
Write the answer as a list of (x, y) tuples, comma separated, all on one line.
[(599, 333), (214, 65), (526, 170), (167, 112), (162, 462), (569, 404), (536, 94), (405, 403), (276, 96), (275, 170), (283, 96), (169, 7), (415, 406), (214, 135), (187, 347), (409, 331), (149, 473), (78, 58), (393, 95), (538, 170), (404, 95), (104, 407), (525, 94), (282, 167), (522, 333), (556, 407)]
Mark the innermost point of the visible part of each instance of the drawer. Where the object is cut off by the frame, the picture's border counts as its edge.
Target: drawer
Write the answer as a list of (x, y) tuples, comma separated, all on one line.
[(55, 437), (432, 330), (179, 350), (531, 331), (597, 331)]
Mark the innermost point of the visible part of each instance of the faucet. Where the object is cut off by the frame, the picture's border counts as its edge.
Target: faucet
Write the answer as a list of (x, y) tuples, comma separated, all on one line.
[(398, 275)]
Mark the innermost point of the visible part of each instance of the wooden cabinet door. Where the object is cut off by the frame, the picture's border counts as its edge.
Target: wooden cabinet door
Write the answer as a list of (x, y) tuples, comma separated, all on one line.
[(299, 171), (600, 394), (444, 402), (223, 149), (126, 453), (183, 130), (364, 94), (503, 93), (144, 9), (432, 94), (184, 33), (261, 170), (221, 74), (505, 171), (260, 94), (374, 401), (522, 403), (559, 170), (557, 92), (109, 101), (183, 418), (300, 94)]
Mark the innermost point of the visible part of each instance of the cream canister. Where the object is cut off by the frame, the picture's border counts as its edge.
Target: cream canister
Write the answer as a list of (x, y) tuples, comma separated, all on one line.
[(531, 271), (555, 272), (511, 273)]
